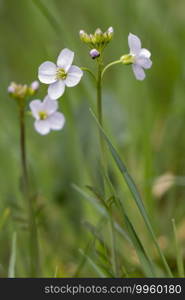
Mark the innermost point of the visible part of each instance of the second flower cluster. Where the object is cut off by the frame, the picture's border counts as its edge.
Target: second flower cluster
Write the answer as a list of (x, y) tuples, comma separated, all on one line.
[(57, 76)]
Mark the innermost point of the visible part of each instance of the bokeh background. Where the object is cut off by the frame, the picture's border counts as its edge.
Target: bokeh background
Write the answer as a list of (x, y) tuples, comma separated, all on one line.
[(145, 121)]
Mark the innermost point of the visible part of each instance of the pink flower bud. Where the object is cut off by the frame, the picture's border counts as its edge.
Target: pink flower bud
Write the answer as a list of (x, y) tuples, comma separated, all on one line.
[(94, 53), (35, 85)]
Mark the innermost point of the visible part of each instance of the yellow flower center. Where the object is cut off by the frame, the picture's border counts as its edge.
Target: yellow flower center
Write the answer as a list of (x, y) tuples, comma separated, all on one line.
[(43, 115), (61, 74)]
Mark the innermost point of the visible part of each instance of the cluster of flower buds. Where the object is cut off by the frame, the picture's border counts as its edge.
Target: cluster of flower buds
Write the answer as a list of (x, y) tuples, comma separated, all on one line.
[(21, 91), (97, 41)]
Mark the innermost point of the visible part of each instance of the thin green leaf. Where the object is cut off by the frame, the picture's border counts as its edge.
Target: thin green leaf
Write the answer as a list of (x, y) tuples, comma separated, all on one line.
[(133, 239), (93, 264), (51, 19), (56, 275), (83, 261), (4, 217), (101, 210), (11, 269), (180, 264), (135, 193), (146, 262)]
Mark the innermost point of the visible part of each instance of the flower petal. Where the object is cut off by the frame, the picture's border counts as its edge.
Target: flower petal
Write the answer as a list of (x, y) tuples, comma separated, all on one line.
[(74, 76), (145, 52), (144, 62), (50, 105), (56, 121), (56, 89), (47, 72), (65, 59), (36, 106), (42, 126), (138, 71), (134, 43)]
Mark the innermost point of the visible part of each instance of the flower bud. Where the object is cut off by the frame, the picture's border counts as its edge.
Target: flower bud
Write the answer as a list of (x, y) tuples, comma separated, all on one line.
[(94, 53), (98, 36), (21, 91), (98, 32), (32, 89), (110, 33), (11, 88), (110, 30), (84, 37), (18, 91), (35, 85), (98, 40), (81, 32)]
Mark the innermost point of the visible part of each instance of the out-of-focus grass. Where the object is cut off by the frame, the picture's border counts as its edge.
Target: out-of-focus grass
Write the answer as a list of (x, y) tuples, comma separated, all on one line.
[(145, 120)]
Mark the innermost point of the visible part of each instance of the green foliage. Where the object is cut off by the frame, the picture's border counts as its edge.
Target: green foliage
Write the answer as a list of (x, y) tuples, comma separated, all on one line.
[(145, 121)]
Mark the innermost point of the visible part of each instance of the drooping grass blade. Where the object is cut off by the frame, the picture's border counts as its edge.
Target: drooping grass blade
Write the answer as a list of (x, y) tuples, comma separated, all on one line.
[(11, 269), (132, 238), (135, 193)]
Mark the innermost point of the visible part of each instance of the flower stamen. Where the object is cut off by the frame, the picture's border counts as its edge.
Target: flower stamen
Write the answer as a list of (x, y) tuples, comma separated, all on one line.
[(43, 115), (61, 74)]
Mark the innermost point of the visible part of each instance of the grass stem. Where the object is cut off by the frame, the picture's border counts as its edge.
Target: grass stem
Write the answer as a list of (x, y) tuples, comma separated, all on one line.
[(33, 241)]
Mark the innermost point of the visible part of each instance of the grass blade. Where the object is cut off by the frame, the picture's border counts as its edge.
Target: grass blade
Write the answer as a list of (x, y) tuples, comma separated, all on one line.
[(133, 239), (11, 269), (135, 193), (101, 210), (145, 261), (4, 217), (51, 19), (180, 264), (93, 265)]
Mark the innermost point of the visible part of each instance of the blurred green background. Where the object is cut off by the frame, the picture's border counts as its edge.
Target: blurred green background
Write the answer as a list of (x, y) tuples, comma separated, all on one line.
[(145, 121)]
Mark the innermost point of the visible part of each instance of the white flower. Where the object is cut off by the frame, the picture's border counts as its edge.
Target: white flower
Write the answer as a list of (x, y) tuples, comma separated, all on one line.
[(46, 116), (60, 75), (140, 57)]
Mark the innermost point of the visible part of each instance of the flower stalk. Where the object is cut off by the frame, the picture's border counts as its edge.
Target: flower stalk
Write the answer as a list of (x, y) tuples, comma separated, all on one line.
[(33, 241), (103, 160), (20, 93), (23, 147), (110, 65), (100, 116)]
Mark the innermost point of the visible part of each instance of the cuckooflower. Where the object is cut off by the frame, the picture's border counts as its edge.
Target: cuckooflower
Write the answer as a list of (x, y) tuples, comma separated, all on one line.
[(139, 57), (61, 74), (46, 116)]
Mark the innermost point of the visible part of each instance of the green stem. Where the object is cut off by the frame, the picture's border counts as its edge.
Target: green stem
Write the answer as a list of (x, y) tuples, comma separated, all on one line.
[(100, 118), (103, 162), (99, 95), (110, 65), (23, 148), (34, 256), (113, 244), (89, 71)]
